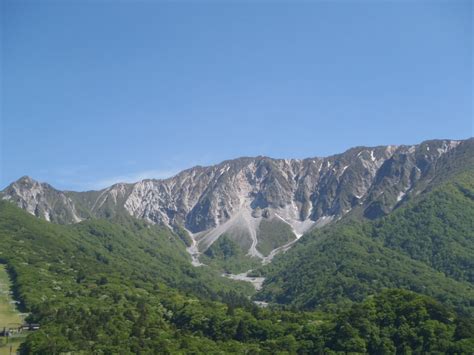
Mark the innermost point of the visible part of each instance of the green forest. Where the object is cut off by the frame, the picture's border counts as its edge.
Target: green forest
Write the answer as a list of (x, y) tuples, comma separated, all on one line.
[(401, 284), (426, 247)]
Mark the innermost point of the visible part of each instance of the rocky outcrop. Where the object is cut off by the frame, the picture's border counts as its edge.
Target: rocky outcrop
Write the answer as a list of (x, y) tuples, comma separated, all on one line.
[(42, 200)]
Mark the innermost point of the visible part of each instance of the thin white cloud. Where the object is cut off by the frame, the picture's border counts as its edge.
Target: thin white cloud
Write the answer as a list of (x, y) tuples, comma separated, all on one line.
[(133, 177)]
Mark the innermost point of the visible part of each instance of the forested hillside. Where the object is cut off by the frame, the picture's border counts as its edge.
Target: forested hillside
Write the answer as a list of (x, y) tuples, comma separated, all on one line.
[(98, 287), (427, 247)]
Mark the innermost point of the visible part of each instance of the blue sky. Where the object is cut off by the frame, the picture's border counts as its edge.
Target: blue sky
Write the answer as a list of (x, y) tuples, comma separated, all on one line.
[(96, 92)]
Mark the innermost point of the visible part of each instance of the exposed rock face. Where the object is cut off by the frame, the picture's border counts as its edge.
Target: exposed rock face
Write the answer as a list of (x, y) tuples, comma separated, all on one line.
[(42, 200), (233, 196)]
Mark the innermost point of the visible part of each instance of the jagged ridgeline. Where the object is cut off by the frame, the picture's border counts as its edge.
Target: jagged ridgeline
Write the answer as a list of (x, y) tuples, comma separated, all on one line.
[(262, 204)]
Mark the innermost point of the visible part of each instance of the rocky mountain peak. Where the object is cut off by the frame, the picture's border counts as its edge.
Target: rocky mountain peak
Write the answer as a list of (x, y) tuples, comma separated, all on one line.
[(41, 200)]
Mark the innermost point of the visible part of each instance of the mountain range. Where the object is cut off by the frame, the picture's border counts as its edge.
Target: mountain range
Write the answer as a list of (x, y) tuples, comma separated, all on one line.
[(246, 199)]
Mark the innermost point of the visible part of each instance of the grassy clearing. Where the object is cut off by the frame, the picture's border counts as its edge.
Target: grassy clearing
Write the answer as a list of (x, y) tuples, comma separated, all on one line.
[(8, 311), (9, 315), (12, 346)]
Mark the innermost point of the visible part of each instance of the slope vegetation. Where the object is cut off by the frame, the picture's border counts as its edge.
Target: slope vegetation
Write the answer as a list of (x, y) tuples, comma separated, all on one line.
[(127, 287), (427, 247)]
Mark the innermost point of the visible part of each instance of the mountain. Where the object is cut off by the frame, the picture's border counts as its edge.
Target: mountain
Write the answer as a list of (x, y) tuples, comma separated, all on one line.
[(246, 198), (426, 246)]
